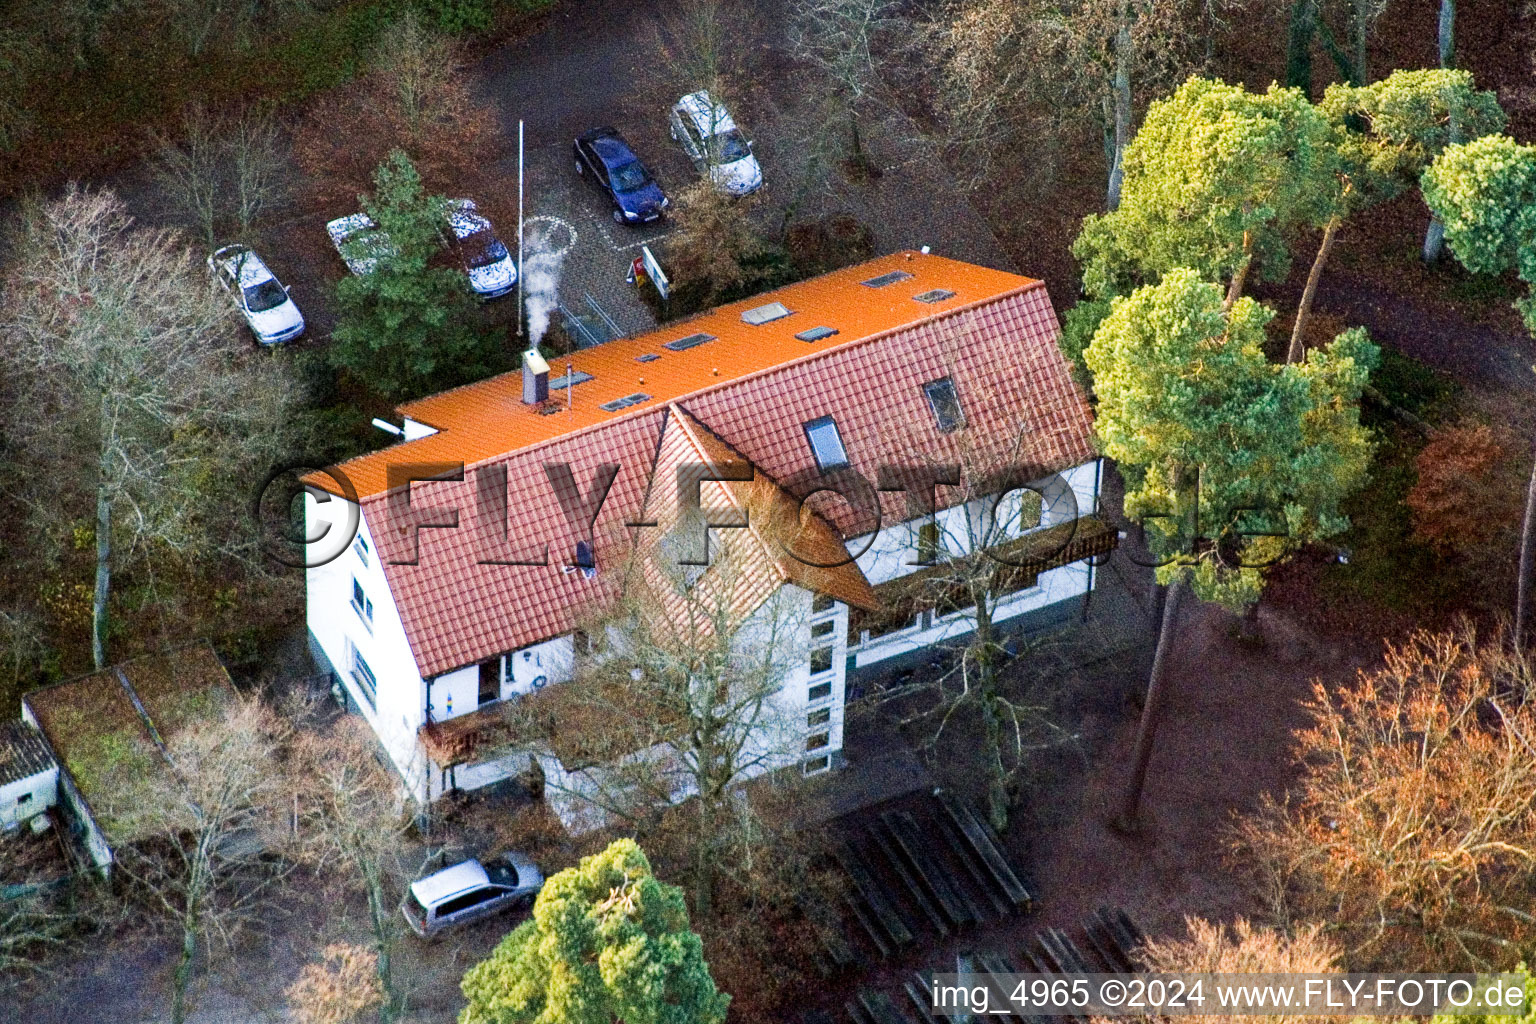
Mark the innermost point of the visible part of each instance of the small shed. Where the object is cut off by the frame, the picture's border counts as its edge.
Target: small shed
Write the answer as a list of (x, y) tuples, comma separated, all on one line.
[(108, 730), (29, 776)]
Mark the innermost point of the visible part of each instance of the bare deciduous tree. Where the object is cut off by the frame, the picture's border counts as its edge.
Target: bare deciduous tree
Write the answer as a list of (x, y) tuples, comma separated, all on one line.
[(689, 702), (1412, 832), (712, 242), (352, 820), (1011, 65), (840, 38), (975, 556), (191, 839), (417, 99), (223, 172), (141, 401)]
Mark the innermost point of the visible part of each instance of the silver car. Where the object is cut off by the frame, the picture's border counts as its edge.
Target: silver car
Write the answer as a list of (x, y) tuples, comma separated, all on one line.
[(271, 314), (469, 891)]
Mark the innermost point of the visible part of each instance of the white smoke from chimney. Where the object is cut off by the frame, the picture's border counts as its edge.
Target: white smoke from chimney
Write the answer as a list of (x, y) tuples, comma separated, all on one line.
[(541, 282)]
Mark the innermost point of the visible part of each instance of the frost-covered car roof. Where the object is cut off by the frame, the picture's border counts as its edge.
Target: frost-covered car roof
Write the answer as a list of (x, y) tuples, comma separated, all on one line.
[(251, 269), (465, 219), (367, 243), (708, 116)]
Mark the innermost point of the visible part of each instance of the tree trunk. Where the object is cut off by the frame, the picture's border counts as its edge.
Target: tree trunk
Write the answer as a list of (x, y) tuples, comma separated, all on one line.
[(1523, 584), (1360, 26), (1298, 345), (1434, 235), (1298, 56), (998, 798), (103, 573), (380, 918), (183, 976), (1130, 808), (1235, 289), (1122, 112)]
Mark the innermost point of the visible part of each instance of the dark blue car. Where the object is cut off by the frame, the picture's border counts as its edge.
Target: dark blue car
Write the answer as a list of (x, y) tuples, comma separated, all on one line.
[(602, 156)]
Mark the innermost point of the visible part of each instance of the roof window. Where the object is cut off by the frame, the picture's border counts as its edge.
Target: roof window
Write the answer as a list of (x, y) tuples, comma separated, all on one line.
[(826, 443), (625, 402), (885, 279), (945, 403), (688, 342), (934, 295), (649, 357), (816, 333), (566, 380), (766, 313)]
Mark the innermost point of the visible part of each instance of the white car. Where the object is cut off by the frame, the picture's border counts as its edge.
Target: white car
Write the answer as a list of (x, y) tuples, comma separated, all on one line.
[(360, 241), (716, 146), (469, 891), (263, 299), (483, 257)]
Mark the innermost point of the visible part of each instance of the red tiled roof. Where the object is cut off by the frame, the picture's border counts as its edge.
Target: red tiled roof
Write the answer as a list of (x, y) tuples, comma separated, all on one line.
[(996, 339)]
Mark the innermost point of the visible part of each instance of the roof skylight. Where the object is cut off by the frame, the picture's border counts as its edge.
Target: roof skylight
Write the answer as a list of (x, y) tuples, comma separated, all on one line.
[(766, 313), (625, 402), (816, 333), (566, 380), (688, 342), (934, 295), (885, 279)]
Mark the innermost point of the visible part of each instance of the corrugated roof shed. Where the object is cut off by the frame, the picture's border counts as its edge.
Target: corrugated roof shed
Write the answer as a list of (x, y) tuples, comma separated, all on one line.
[(22, 752)]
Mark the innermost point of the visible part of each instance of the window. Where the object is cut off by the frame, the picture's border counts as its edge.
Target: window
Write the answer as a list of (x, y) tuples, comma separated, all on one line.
[(817, 741), (822, 603), (24, 799), (934, 295), (361, 604), (822, 629), (465, 902), (816, 765), (821, 660), (885, 279), (821, 691), (366, 681), (816, 333), (929, 543), (360, 546), (625, 402), (945, 404), (688, 342), (566, 380), (766, 313), (816, 718), (649, 357), (490, 681), (826, 443)]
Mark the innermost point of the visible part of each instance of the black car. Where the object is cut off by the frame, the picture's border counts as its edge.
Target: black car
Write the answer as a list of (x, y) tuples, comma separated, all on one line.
[(604, 157)]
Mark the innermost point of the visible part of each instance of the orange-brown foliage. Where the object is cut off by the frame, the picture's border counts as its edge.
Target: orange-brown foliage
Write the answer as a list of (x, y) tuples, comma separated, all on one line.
[(1453, 504), (1412, 834)]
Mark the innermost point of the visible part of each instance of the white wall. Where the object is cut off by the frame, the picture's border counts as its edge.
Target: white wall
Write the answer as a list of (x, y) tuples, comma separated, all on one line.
[(401, 695), (26, 798), (893, 553)]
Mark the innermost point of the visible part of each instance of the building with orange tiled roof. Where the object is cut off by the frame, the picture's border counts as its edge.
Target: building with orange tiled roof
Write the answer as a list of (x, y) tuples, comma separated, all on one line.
[(804, 420)]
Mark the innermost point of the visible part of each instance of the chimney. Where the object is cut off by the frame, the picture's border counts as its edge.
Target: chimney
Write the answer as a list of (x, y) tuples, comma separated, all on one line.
[(535, 378)]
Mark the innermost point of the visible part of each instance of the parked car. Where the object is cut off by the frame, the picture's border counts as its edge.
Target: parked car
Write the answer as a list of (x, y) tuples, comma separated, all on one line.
[(264, 301), (603, 157), (475, 247), (469, 891), (360, 241), (484, 258), (716, 146)]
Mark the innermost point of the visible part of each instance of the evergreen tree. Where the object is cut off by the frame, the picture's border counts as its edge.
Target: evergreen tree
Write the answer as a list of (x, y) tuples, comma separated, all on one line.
[(606, 942), (405, 328), (1230, 461)]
